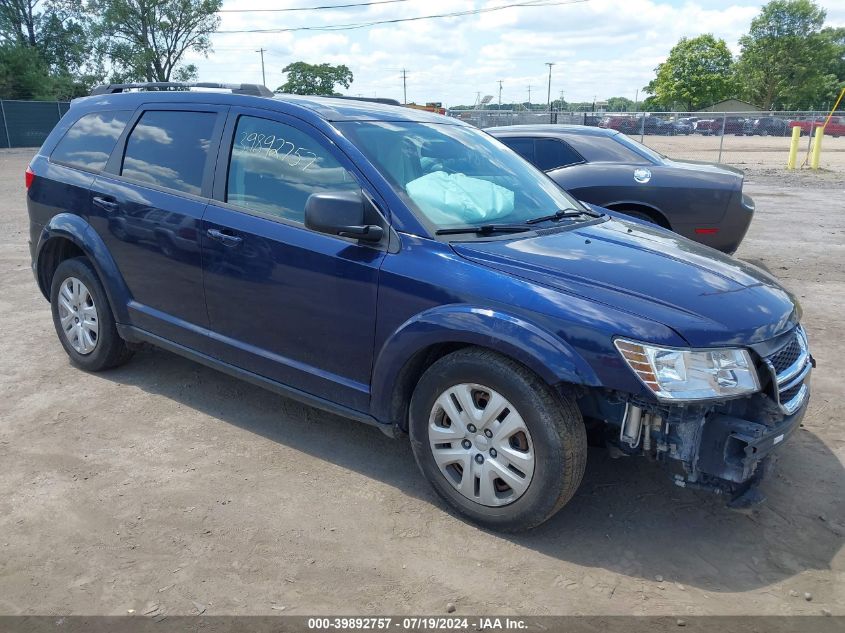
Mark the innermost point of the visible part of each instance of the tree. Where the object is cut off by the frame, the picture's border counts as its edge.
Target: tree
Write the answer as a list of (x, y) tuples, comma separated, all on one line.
[(23, 74), (697, 73), (619, 104), (787, 61), (146, 40), (54, 36), (314, 79)]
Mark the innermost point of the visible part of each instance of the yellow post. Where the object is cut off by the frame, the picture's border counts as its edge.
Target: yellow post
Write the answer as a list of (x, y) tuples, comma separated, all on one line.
[(793, 147), (817, 148)]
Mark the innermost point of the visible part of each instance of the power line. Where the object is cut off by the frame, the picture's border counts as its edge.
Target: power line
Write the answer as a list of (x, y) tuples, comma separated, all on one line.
[(326, 6), (454, 14)]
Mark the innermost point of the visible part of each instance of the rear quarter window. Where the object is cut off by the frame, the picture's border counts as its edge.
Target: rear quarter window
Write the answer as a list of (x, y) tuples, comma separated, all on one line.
[(169, 148), (89, 142)]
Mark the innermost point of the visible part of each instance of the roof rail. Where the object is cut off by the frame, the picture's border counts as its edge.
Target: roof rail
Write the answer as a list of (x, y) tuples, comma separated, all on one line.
[(383, 100), (256, 90)]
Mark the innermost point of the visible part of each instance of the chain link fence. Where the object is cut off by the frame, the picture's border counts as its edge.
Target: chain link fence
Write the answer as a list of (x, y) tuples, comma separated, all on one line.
[(27, 123), (739, 138)]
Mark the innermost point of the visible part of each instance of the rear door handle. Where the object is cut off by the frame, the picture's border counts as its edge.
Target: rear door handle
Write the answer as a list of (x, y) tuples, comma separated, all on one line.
[(226, 238), (106, 204)]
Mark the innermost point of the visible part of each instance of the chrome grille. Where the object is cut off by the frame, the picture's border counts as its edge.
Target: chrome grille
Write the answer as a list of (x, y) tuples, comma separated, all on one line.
[(790, 366)]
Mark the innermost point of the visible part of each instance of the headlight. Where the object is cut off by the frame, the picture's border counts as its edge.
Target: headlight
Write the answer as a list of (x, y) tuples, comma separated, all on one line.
[(684, 374)]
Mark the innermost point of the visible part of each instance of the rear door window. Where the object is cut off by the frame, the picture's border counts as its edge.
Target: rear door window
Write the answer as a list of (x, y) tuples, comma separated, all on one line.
[(275, 167), (169, 148), (89, 142)]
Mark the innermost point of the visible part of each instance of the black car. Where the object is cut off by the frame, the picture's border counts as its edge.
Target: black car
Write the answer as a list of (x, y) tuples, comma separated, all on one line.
[(766, 126), (681, 127), (701, 201)]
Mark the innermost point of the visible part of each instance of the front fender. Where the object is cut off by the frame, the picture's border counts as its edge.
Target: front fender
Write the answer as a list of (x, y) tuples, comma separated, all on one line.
[(75, 229), (544, 353)]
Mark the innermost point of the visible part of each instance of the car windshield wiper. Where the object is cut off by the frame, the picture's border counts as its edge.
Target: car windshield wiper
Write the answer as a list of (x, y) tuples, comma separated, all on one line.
[(564, 213), (485, 229)]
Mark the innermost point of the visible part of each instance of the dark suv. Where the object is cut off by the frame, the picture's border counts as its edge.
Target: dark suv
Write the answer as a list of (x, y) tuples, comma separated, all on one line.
[(406, 270)]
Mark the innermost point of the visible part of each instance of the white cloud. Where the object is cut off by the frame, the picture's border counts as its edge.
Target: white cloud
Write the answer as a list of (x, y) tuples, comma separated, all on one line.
[(601, 48)]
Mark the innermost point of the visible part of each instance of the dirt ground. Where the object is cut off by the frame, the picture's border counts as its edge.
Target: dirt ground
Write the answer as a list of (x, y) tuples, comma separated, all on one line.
[(166, 487), (747, 151)]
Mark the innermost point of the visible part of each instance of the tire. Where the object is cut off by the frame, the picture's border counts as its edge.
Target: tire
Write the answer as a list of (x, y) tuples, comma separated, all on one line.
[(89, 350), (549, 432)]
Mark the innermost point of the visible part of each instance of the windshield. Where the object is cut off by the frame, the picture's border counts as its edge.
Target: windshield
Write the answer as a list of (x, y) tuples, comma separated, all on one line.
[(456, 176), (639, 147)]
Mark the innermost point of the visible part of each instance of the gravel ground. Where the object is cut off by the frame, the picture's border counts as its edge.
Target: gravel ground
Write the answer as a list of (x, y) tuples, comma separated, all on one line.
[(166, 487), (747, 151)]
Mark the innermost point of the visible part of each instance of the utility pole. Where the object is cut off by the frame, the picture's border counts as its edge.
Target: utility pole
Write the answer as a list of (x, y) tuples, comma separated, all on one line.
[(561, 101), (404, 87), (549, 93), (263, 78), (500, 94), (529, 96)]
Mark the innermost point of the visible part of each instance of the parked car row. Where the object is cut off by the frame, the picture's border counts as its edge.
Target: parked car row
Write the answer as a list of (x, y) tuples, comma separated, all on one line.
[(409, 271), (718, 125), (835, 126)]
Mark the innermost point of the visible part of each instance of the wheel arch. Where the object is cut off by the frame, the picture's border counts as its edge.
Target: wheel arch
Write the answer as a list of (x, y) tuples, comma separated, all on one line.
[(651, 211), (68, 235), (426, 338)]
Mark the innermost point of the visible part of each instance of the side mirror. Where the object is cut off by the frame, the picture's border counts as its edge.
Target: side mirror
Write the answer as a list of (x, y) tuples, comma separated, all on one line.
[(340, 213)]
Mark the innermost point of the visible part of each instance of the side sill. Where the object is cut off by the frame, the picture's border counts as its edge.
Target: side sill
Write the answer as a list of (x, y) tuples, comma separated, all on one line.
[(134, 334)]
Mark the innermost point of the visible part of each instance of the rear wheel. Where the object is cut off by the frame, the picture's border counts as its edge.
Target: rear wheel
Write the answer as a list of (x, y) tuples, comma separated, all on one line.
[(494, 441), (83, 318)]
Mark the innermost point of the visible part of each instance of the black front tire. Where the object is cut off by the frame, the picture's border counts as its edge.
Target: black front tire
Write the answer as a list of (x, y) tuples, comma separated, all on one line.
[(110, 350), (553, 420)]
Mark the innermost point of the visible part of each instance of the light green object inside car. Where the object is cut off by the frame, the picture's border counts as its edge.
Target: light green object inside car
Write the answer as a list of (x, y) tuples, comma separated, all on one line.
[(454, 198)]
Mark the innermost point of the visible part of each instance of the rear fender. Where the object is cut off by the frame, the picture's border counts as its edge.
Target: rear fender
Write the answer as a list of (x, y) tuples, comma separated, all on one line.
[(539, 350), (75, 229)]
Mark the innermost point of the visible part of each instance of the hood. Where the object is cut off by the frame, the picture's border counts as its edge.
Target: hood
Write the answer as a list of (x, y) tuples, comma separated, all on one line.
[(704, 166), (708, 298)]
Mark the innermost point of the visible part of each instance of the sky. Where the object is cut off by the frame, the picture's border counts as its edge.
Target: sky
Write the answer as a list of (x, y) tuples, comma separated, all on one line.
[(600, 48)]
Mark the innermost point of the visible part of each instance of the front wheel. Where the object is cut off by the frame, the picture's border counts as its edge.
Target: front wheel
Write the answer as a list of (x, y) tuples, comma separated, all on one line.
[(497, 443)]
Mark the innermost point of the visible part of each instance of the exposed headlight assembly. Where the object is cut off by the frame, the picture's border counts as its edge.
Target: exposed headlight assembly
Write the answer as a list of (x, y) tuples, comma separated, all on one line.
[(679, 374)]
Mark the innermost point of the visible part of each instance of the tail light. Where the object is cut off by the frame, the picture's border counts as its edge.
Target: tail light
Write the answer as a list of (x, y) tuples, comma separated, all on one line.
[(29, 177)]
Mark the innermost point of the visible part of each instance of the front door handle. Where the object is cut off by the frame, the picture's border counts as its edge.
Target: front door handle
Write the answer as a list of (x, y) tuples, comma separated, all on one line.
[(106, 204), (226, 238)]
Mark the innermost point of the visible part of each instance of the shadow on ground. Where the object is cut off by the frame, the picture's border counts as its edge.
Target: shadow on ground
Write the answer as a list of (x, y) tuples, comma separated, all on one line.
[(627, 516)]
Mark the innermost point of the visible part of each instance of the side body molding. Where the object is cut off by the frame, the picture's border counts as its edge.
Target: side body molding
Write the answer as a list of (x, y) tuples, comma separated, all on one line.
[(77, 230), (545, 354)]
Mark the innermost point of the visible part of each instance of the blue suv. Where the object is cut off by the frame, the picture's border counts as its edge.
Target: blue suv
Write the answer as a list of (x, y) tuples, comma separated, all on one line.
[(406, 270)]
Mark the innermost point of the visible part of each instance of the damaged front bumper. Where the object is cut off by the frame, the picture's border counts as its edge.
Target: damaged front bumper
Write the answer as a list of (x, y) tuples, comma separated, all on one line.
[(720, 446)]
